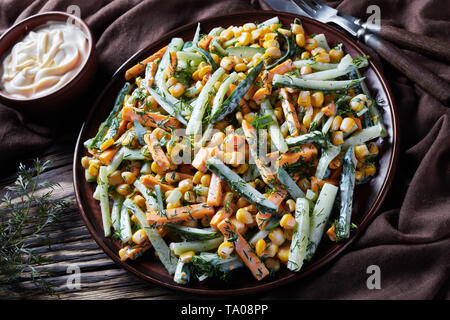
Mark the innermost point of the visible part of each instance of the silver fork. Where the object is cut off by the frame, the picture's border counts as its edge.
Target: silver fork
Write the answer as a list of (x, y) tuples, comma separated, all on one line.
[(368, 33)]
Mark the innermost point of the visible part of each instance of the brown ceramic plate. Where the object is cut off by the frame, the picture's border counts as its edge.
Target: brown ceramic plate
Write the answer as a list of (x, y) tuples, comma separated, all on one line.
[(368, 197)]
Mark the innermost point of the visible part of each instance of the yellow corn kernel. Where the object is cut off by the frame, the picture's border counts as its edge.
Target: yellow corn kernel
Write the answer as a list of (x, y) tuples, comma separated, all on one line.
[(272, 264), (277, 236), (177, 90), (115, 178), (370, 169), (215, 57), (270, 36), (271, 43), (157, 169), (287, 221), (172, 177), (205, 180), (85, 162), (297, 29), (305, 55), (273, 52), (226, 34), (335, 55), (242, 202), (139, 236), (225, 249), (237, 31), (304, 98), (244, 39), (260, 247), (285, 32), (123, 254), (357, 103), (317, 99), (124, 189), (189, 196), (105, 145), (336, 124), (307, 118), (305, 70), (243, 216), (323, 57), (93, 169), (239, 117), (195, 75), (358, 175), (249, 27), (240, 67), (347, 124), (361, 151), (291, 205), (270, 251), (373, 148), (128, 177), (278, 113), (337, 138), (197, 177), (310, 44), (242, 168), (317, 51), (251, 116), (186, 257), (283, 254), (185, 185), (139, 200), (239, 226), (203, 71), (172, 81)]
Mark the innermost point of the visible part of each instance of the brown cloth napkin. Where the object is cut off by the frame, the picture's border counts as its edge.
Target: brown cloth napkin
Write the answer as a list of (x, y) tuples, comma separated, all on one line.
[(409, 240)]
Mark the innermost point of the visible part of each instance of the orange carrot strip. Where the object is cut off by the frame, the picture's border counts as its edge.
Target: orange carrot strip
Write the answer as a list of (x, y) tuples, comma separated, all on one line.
[(259, 95), (157, 152), (106, 156), (202, 155), (222, 214), (280, 69), (243, 249), (149, 119), (215, 191), (276, 198), (150, 181), (306, 153), (140, 67), (196, 211), (204, 42), (289, 113)]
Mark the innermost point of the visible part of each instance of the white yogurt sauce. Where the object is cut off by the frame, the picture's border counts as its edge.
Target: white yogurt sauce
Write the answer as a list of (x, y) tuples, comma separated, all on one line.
[(47, 58)]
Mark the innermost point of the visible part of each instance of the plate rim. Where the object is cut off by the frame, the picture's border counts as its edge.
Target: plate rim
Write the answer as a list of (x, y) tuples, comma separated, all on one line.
[(334, 253)]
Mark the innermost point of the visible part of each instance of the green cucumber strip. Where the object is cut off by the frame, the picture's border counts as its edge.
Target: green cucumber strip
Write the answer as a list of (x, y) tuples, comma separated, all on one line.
[(104, 201), (190, 233), (198, 246), (300, 237), (165, 256), (182, 273), (319, 218), (237, 95), (325, 85), (244, 52), (98, 139), (347, 186), (291, 187), (239, 186)]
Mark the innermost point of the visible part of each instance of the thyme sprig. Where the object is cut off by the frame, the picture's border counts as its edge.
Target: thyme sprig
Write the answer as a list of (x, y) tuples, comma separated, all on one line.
[(24, 214)]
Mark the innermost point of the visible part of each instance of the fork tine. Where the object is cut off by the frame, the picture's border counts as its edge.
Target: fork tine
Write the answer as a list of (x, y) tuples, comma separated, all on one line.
[(305, 7), (318, 3), (311, 3)]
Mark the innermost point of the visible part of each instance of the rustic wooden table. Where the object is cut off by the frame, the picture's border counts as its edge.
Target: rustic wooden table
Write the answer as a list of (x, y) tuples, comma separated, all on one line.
[(72, 247)]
